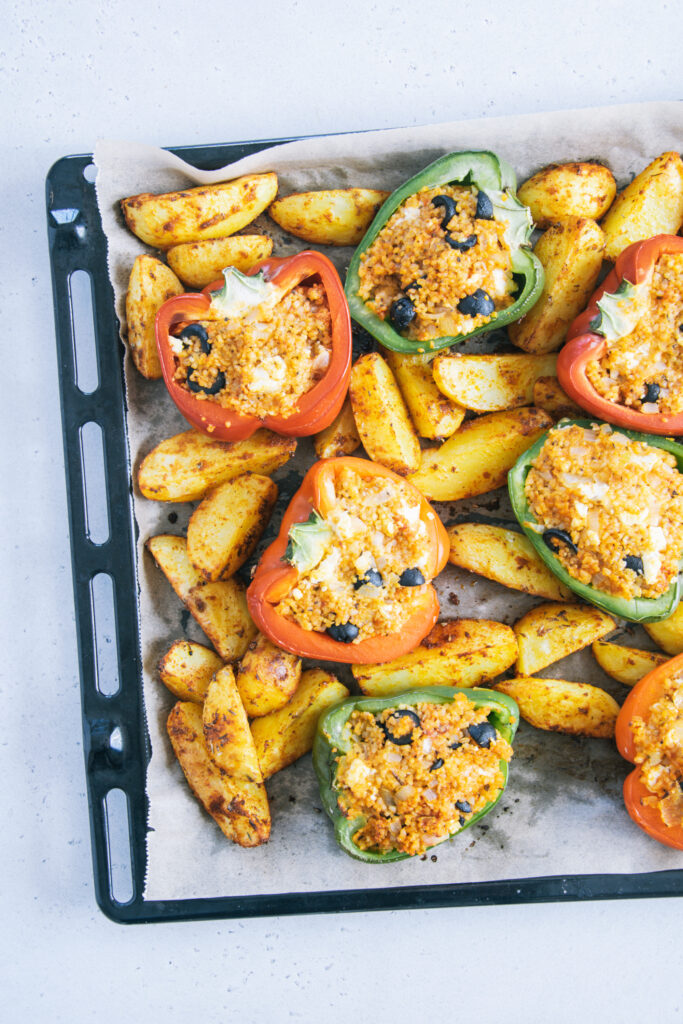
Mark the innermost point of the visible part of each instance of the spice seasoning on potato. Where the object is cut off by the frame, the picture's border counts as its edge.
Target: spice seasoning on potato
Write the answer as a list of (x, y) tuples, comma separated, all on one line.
[(560, 191)]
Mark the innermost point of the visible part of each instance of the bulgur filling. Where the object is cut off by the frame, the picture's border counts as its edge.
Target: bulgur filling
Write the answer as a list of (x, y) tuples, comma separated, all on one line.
[(261, 363), (371, 539), (418, 774), (644, 369), (658, 743), (412, 261), (619, 504)]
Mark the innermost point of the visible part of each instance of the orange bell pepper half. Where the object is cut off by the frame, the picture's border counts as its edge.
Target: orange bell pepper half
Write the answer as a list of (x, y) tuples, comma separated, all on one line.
[(275, 577)]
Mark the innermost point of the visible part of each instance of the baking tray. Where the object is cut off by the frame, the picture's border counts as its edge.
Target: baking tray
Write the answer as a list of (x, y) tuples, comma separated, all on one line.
[(116, 741)]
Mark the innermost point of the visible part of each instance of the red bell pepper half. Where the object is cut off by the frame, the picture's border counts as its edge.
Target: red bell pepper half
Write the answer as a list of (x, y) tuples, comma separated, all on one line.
[(633, 266), (275, 577), (317, 408)]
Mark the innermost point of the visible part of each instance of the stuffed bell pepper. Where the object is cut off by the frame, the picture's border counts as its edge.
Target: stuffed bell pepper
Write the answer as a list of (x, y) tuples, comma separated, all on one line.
[(446, 257), (348, 578)]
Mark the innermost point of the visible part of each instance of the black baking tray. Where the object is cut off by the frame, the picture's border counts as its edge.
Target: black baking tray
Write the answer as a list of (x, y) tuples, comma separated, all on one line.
[(77, 243)]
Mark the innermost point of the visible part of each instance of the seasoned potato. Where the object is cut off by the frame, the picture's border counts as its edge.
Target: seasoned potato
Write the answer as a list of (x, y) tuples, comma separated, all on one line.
[(561, 191), (150, 284), (331, 217), (571, 254), (549, 396), (226, 729), (651, 205), (284, 736), (266, 677), (186, 466), (463, 652), (625, 664), (552, 631), (668, 634), (381, 416), (209, 211), (477, 458), (433, 415), (560, 706), (201, 263), (491, 383), (225, 528), (187, 668), (239, 807), (505, 556), (340, 438)]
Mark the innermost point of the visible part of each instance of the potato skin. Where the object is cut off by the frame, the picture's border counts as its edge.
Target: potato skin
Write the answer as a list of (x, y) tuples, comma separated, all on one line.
[(561, 191), (557, 705), (652, 204), (491, 383), (329, 217), (625, 664), (341, 437), (668, 634), (551, 631), (266, 677), (382, 420), (199, 264), (433, 414), (151, 282), (549, 396), (226, 728), (187, 668)]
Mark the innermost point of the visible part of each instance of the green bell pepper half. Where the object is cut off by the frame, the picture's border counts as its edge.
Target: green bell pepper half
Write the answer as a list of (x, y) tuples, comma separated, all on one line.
[(638, 609), (332, 740), (486, 172)]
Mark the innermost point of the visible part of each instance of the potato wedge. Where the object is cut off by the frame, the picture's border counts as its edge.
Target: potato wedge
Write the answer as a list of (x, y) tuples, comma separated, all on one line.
[(557, 705), (505, 556), (381, 416), (462, 652), (340, 438), (201, 263), (549, 396), (187, 668), (477, 458), (208, 211), (266, 677), (668, 634), (338, 216), (226, 729), (552, 631), (284, 736), (239, 807), (561, 191), (571, 254), (625, 664), (651, 205), (225, 528), (491, 383), (150, 284), (186, 466), (433, 415)]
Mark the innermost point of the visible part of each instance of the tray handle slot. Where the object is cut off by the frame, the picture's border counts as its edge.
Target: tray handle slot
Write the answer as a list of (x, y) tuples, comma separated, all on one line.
[(86, 369), (117, 827), (95, 499), (105, 635)]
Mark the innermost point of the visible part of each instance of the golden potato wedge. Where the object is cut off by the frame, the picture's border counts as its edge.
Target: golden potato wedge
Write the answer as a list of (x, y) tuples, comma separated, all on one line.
[(186, 466), (150, 284), (187, 668), (550, 396), (478, 456), (571, 254), (561, 191), (491, 383), (225, 528), (284, 736), (338, 216), (557, 705), (462, 652), (651, 205), (340, 438), (381, 416), (208, 211), (239, 807), (552, 631), (668, 634), (226, 729), (625, 664), (201, 263), (266, 677), (505, 556), (433, 415)]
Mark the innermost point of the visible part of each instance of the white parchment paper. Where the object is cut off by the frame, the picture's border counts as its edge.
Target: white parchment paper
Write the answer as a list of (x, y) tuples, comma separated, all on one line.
[(562, 812)]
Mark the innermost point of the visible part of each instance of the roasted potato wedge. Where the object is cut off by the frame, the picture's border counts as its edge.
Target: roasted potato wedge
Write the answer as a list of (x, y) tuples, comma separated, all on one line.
[(668, 634), (381, 416), (201, 263), (463, 652), (225, 528), (433, 415), (478, 456), (552, 631), (284, 736), (561, 191), (186, 466), (560, 706), (150, 284), (209, 211), (491, 383), (187, 668), (266, 677), (340, 438), (571, 254), (239, 807), (651, 205), (625, 664), (226, 729), (549, 396), (338, 216)]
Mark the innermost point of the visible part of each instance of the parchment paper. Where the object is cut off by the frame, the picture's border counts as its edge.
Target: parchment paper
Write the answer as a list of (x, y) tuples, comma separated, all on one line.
[(562, 812)]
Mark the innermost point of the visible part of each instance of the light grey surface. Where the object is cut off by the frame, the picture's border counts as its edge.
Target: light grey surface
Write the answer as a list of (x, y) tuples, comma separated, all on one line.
[(172, 74)]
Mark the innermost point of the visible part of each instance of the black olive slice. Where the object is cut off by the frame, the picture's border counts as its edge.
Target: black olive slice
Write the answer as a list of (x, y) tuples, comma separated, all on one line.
[(371, 576), (461, 820), (455, 746), (479, 303), (463, 246), (402, 313), (400, 741), (635, 563), (437, 764), (343, 632), (553, 539), (464, 805), (449, 209), (482, 734), (199, 332), (651, 392), (411, 578), (217, 385), (484, 209)]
